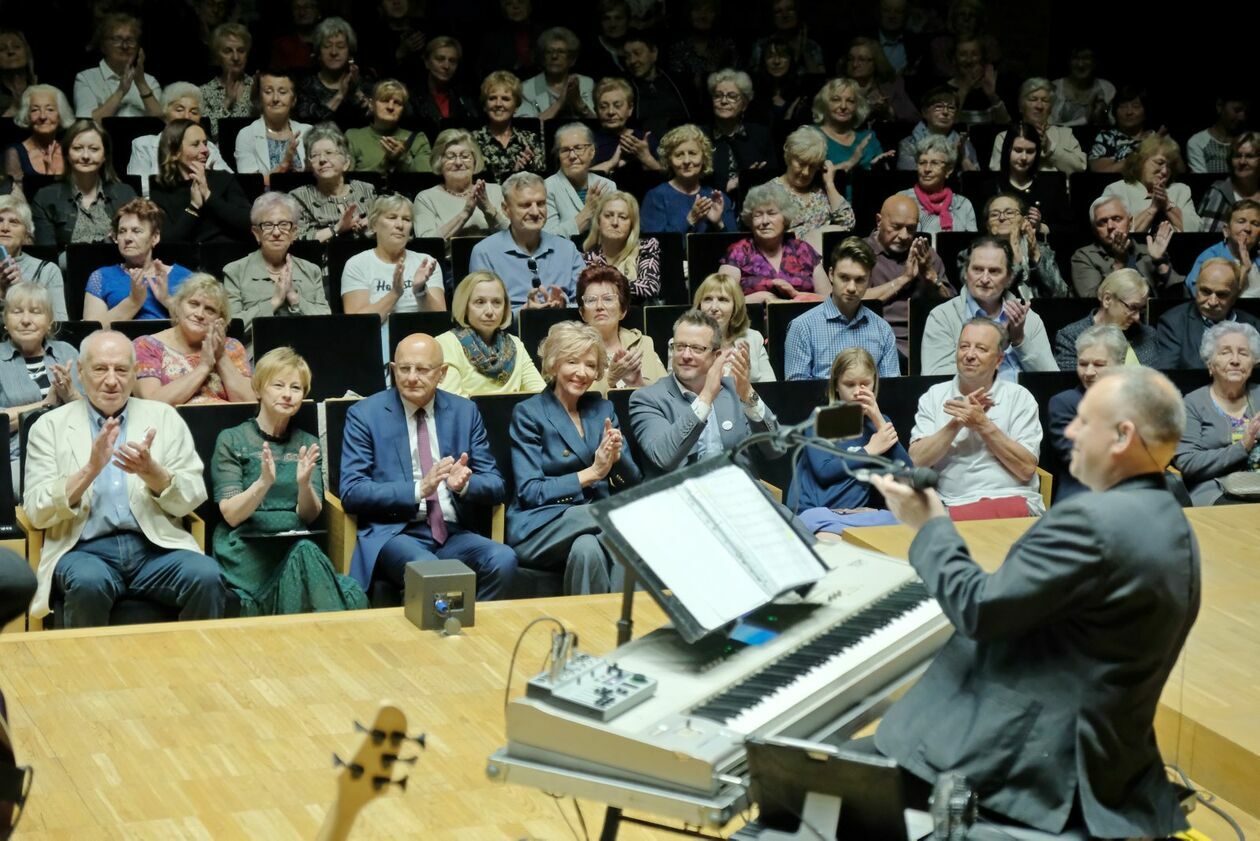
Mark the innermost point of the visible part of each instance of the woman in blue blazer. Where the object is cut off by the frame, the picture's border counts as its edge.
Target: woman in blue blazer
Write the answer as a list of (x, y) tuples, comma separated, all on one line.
[(567, 451)]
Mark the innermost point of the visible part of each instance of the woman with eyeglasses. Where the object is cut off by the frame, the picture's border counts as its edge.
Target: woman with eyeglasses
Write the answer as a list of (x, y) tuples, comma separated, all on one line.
[(118, 86), (573, 191), (333, 206), (462, 205), (271, 281), (1122, 300), (739, 146), (603, 296), (1036, 271)]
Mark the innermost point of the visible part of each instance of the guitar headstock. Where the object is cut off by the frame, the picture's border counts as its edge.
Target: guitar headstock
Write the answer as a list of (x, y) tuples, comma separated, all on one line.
[(375, 766)]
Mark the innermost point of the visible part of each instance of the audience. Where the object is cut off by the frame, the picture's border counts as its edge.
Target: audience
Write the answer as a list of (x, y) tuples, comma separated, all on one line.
[(1116, 249), (810, 180), (603, 296), (439, 98), (703, 50), (1113, 145), (906, 266), (573, 192), (18, 266), (720, 298), (658, 100), (783, 93), (1180, 330), (80, 206), (1243, 183), (940, 208), (1098, 349), (140, 286), (1036, 271), (1019, 172), (786, 25), (614, 240), (506, 148), (1148, 190), (1122, 299), (975, 81), (267, 481), (838, 109), (617, 144), (273, 142), (481, 353), (333, 206), (740, 148), (557, 91), (1060, 149), (459, 206), (773, 265), (180, 101), (17, 69), (296, 48), (884, 90), (383, 145), (1208, 150), (45, 111), (900, 46), (1241, 245), (200, 204), (335, 91), (939, 107), (230, 93), (682, 204), (118, 86), (1080, 97)]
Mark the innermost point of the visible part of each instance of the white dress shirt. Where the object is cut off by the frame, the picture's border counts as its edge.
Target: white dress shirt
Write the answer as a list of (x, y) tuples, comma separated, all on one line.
[(97, 84), (443, 493)]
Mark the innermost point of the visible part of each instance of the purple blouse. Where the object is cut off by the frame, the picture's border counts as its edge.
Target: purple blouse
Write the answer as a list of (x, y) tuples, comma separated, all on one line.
[(796, 266)]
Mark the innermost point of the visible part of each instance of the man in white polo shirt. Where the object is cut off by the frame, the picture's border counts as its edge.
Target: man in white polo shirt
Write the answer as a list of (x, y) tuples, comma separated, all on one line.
[(981, 434)]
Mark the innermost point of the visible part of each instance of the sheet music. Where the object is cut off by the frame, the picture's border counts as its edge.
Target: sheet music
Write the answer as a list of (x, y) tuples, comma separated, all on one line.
[(718, 544)]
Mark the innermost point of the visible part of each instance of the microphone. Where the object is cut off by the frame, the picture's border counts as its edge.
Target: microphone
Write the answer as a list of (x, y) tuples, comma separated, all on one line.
[(919, 478)]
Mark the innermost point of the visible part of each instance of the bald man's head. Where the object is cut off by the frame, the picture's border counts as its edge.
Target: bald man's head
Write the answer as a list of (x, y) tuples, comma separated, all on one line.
[(1128, 423), (418, 367), (897, 223)]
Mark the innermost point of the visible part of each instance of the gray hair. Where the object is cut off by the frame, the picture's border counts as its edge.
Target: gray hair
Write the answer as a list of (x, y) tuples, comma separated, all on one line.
[(772, 193), (1103, 200), (1004, 337), (807, 144), (518, 181), (936, 143), (1151, 402), (1034, 84), (384, 204), (1106, 336), (176, 91), (14, 203), (27, 293), (738, 78), (582, 127), (861, 108), (326, 131), (270, 200), (330, 27), (65, 111), (92, 339), (455, 137), (559, 33), (1213, 335)]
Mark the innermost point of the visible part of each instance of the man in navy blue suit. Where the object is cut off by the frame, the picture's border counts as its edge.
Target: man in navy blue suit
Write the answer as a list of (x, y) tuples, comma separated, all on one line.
[(414, 460)]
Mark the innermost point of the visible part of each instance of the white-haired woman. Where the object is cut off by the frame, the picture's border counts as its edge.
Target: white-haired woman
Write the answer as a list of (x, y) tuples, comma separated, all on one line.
[(333, 206), (389, 278), (738, 146), (482, 354), (271, 281), (273, 142), (16, 230), (1060, 150), (230, 93), (681, 204), (180, 101), (615, 240), (46, 112), (557, 91), (1099, 348), (773, 265), (573, 191), (940, 208), (839, 109), (810, 180), (334, 92), (1223, 418), (462, 205)]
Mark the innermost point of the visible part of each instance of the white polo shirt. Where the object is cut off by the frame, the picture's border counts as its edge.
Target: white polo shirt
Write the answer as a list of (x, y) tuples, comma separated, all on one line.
[(97, 84)]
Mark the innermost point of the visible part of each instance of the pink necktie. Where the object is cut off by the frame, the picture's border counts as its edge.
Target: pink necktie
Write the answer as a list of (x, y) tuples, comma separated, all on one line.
[(437, 523)]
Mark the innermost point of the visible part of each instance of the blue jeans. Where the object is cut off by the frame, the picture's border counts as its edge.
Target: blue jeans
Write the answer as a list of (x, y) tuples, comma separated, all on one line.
[(98, 572)]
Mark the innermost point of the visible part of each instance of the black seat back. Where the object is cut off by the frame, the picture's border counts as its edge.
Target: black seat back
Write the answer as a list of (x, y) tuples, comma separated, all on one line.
[(343, 351)]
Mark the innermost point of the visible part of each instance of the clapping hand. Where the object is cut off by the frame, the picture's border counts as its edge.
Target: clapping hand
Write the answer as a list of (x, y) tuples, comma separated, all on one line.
[(717, 204), (393, 148), (1016, 313), (609, 450), (699, 210), (158, 283), (739, 359), (524, 159), (418, 280), (198, 187), (103, 445), (267, 466), (9, 273), (396, 285), (436, 476), (1157, 245), (460, 473), (1250, 433), (62, 390), (308, 458), (136, 457), (968, 410), (625, 367), (639, 147)]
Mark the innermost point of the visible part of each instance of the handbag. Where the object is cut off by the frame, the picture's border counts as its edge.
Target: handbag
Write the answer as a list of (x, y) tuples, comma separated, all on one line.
[(1244, 484)]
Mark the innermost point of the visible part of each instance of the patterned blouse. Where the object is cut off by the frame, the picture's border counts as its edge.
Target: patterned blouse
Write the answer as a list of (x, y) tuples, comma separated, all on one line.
[(814, 212), (1115, 144), (154, 359), (796, 266), (214, 102), (320, 211), (501, 160), (645, 280)]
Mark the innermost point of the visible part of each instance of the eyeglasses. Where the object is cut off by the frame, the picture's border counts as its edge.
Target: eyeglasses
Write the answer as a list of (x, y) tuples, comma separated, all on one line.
[(272, 227), (121, 42), (457, 156), (947, 107), (579, 149), (1000, 215), (696, 350), (406, 370), (1134, 309), (606, 300), (728, 96)]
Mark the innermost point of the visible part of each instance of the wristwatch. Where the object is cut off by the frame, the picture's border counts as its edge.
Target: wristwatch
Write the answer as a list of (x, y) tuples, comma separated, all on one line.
[(752, 401)]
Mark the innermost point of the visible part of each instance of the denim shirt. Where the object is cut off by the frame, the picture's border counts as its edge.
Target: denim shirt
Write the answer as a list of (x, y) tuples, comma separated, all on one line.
[(111, 507)]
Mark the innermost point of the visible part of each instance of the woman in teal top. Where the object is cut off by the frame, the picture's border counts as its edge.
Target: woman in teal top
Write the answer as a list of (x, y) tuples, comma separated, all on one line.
[(267, 480), (839, 109)]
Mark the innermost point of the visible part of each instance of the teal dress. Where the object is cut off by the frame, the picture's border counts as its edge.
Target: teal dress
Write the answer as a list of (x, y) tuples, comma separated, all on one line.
[(273, 576)]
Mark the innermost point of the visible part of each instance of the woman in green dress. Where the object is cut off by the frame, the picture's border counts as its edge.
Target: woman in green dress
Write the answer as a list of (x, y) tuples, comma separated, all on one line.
[(267, 480)]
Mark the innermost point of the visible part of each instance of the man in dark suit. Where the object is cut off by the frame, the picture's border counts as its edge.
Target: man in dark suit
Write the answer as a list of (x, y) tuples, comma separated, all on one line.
[(1181, 329), (700, 410), (414, 460), (1045, 696)]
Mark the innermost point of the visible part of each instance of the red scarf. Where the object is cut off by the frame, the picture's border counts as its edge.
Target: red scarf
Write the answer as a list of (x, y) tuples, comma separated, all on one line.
[(937, 204)]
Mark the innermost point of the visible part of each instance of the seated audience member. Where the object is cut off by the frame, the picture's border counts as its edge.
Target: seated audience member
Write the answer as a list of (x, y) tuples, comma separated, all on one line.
[(16, 227), (1019, 172), (614, 240), (1122, 301), (881, 85), (111, 511), (507, 149), (568, 451), (1180, 330), (772, 265), (394, 38), (703, 48), (838, 110), (719, 297), (574, 191), (389, 278), (558, 92), (482, 355), (840, 321), (1148, 190), (118, 86), (1036, 273), (509, 42), (19, 69), (786, 24), (267, 481), (1098, 349), (538, 268), (659, 102), (1026, 347), (140, 286), (824, 492), (980, 432), (460, 206), (603, 297), (1222, 421), (1116, 249), (383, 145), (1060, 149), (906, 265), (739, 146), (439, 99), (975, 81), (271, 281), (810, 180), (940, 208), (36, 370), (201, 204), (1208, 150), (193, 360), (900, 46), (44, 110), (230, 93), (418, 509), (783, 93), (1113, 145), (682, 204), (1243, 183), (939, 107), (334, 92), (273, 142), (80, 206), (701, 410), (1080, 97), (334, 205), (1240, 245), (180, 101), (295, 47), (617, 145)]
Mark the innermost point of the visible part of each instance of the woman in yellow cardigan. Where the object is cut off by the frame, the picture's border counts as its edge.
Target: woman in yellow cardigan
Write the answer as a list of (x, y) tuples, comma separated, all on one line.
[(481, 356)]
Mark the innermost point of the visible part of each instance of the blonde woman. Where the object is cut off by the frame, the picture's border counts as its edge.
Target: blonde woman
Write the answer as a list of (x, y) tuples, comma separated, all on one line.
[(506, 148), (681, 204), (615, 241), (721, 298), (1150, 191), (482, 355), (839, 109)]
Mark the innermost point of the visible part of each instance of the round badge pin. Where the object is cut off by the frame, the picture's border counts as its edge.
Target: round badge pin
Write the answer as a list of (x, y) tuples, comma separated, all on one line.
[(727, 425)]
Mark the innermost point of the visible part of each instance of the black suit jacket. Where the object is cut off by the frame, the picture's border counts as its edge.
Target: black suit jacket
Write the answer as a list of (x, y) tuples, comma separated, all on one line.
[(1047, 690), (1180, 331)]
